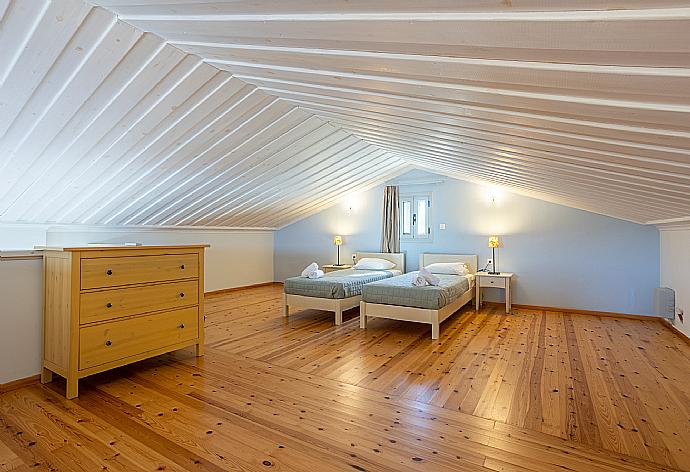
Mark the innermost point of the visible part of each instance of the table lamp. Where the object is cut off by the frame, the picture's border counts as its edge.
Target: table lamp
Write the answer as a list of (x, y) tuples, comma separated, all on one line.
[(338, 241), (493, 244)]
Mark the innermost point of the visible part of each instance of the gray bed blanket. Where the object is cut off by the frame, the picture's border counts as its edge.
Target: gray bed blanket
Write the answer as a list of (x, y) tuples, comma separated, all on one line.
[(400, 291), (338, 284)]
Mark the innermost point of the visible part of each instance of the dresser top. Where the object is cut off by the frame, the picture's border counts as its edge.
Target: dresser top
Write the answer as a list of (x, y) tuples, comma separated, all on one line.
[(118, 248)]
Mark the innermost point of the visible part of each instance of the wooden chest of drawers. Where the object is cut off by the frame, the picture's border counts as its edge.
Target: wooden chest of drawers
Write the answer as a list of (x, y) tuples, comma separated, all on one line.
[(107, 307)]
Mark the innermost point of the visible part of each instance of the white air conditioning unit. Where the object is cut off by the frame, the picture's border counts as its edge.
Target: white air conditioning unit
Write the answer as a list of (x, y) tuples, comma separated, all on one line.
[(665, 303)]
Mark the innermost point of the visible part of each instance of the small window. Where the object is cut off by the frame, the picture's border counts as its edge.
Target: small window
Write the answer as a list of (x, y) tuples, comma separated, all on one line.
[(407, 218), (416, 217)]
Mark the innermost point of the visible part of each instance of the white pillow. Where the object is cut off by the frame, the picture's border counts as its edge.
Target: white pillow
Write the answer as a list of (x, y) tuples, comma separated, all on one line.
[(374, 263), (451, 268)]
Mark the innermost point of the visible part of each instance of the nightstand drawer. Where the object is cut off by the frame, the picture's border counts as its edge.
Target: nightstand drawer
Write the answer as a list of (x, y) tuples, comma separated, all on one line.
[(498, 282)]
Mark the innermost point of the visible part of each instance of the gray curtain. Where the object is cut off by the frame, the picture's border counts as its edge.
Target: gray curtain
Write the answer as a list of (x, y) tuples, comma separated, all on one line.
[(390, 229)]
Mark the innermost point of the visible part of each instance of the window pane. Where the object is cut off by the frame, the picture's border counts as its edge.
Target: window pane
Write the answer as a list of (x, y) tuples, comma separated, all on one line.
[(407, 218), (421, 217)]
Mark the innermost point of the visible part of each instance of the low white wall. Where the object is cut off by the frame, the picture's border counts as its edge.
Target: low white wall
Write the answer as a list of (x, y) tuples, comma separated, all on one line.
[(13, 237), (235, 258), (675, 269), (21, 292)]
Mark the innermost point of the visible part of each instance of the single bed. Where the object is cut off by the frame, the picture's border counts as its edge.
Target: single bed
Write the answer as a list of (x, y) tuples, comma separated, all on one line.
[(340, 290), (396, 298)]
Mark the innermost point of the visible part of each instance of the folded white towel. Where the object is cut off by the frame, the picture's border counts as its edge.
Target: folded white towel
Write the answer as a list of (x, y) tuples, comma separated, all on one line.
[(310, 268), (419, 281), (316, 274), (429, 277)]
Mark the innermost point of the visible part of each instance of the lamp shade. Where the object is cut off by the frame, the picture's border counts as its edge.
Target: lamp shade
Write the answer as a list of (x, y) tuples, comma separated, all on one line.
[(337, 240), (493, 241)]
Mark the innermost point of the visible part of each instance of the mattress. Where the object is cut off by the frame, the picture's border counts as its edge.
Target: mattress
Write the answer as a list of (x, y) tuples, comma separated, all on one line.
[(338, 284), (399, 291)]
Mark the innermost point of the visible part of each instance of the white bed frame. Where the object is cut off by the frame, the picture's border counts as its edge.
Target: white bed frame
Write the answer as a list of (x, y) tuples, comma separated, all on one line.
[(338, 305), (422, 315)]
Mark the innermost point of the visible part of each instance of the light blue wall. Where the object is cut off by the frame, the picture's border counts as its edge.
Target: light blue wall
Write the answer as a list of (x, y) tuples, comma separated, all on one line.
[(562, 257)]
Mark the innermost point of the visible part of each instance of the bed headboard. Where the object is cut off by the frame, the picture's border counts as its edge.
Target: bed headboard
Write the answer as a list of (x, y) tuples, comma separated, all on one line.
[(469, 259), (397, 258)]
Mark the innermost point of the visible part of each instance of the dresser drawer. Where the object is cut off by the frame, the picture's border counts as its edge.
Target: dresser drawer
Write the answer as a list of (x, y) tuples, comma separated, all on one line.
[(114, 303), (104, 272), (116, 340), (499, 282)]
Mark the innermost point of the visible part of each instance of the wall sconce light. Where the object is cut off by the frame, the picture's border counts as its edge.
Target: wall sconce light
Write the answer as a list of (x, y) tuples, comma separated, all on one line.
[(493, 195)]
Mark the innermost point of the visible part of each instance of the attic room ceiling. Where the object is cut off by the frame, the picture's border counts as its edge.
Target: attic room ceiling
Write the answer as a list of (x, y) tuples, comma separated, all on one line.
[(279, 107), (584, 103)]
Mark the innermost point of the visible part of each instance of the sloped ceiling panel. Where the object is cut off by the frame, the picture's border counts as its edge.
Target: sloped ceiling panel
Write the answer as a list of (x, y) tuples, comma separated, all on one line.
[(585, 103), (101, 123)]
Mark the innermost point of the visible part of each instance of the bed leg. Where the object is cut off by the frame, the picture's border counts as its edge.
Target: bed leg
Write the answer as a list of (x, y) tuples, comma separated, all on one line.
[(286, 308), (435, 329), (362, 315), (338, 315)]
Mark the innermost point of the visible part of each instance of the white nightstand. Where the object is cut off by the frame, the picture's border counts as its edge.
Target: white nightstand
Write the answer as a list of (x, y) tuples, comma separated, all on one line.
[(501, 280), (333, 267)]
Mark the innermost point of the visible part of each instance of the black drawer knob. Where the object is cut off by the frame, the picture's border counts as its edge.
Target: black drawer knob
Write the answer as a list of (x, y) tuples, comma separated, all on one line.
[(108, 305), (108, 342), (109, 272), (182, 325), (182, 295), (182, 266)]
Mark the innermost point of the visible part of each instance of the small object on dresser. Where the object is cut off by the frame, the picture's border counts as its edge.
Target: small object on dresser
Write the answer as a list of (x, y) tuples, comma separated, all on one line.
[(130, 244)]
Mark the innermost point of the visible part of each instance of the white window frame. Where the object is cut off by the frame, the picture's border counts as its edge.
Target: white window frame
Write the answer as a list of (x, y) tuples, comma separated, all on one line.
[(413, 199)]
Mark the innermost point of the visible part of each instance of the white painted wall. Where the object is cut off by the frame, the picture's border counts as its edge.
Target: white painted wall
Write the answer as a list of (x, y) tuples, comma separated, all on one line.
[(675, 269), (235, 258)]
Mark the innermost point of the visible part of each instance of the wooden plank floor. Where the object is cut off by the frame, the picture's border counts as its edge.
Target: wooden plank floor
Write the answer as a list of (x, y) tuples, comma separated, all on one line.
[(529, 391)]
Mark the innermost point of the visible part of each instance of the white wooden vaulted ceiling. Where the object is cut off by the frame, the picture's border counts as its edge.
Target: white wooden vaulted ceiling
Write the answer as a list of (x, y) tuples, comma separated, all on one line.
[(277, 108), (581, 102), (101, 123)]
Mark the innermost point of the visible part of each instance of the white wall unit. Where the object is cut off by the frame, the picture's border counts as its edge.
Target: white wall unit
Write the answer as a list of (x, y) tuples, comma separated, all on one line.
[(675, 268)]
